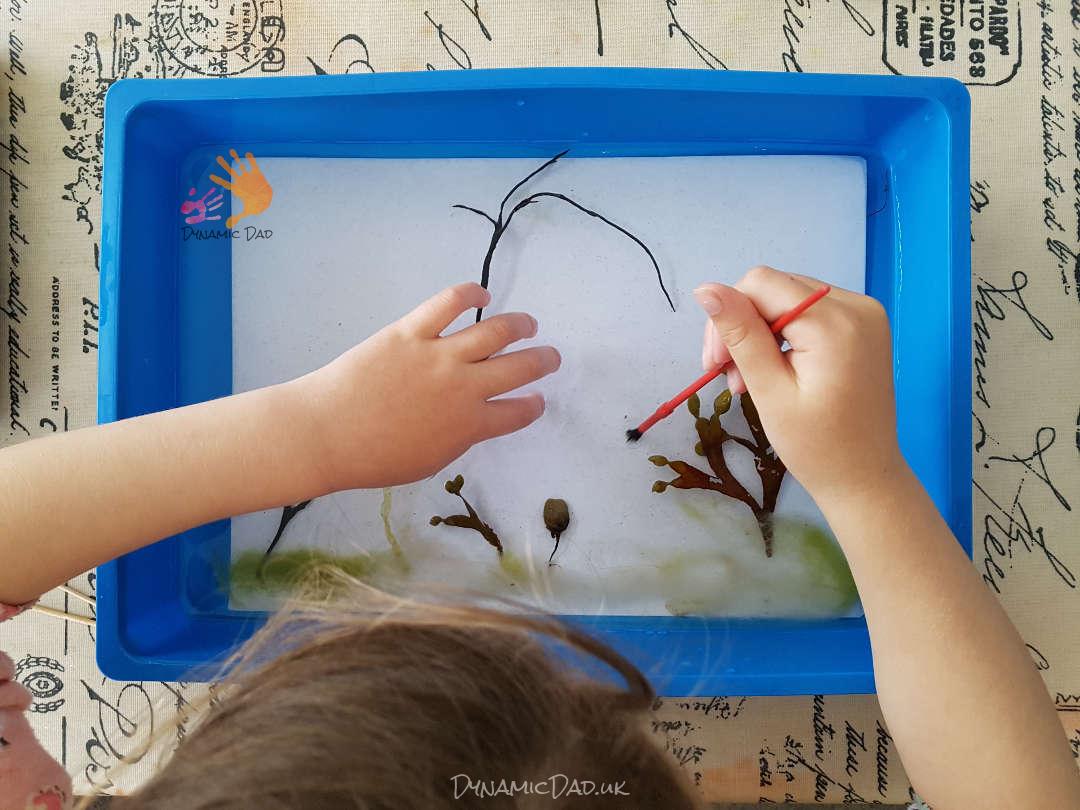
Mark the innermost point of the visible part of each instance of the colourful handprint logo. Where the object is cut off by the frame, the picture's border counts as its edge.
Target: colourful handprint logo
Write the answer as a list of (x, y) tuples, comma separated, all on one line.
[(248, 184), (201, 207)]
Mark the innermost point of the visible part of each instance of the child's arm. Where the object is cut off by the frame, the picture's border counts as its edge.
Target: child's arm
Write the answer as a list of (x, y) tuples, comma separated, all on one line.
[(968, 712), (396, 408)]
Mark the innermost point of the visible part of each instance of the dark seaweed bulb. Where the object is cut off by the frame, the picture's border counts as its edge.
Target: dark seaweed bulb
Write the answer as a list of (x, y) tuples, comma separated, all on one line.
[(556, 519)]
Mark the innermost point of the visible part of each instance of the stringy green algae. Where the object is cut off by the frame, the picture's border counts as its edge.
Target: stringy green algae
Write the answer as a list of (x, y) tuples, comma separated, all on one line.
[(384, 512), (827, 566), (284, 570), (824, 583), (513, 567)]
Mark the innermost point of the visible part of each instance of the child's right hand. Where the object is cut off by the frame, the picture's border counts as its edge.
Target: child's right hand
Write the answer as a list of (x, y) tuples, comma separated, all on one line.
[(408, 401), (827, 405)]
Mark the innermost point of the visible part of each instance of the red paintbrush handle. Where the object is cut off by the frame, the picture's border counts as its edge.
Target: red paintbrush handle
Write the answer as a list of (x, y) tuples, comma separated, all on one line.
[(799, 308), (669, 407), (665, 410)]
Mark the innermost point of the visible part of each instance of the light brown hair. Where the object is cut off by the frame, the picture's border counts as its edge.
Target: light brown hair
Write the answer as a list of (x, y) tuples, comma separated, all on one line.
[(372, 701)]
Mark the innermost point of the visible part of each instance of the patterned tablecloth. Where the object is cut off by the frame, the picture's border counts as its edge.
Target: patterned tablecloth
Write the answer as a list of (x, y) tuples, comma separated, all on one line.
[(1021, 61)]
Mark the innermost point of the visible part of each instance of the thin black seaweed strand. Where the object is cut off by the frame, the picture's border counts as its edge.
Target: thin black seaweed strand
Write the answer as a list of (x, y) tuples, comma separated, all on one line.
[(501, 222), (533, 197), (484, 214), (529, 177), (287, 514), (499, 226)]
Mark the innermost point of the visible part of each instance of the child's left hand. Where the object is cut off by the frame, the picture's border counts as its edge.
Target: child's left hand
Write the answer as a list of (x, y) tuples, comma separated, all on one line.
[(408, 401)]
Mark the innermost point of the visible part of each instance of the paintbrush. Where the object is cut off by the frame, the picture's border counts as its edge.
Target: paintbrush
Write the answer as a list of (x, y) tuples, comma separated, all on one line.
[(668, 407)]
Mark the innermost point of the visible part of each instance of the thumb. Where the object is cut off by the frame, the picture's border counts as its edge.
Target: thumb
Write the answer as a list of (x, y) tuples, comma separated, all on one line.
[(740, 327)]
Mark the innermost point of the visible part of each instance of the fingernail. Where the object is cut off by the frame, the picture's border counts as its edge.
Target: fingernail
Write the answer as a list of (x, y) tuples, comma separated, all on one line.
[(557, 358), (539, 399), (709, 300), (535, 326)]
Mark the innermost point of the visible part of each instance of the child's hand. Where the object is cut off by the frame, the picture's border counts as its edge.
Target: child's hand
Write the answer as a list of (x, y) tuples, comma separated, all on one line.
[(828, 404), (406, 402)]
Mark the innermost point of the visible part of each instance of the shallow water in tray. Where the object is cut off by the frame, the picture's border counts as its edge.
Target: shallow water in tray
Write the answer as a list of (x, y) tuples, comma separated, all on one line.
[(347, 245)]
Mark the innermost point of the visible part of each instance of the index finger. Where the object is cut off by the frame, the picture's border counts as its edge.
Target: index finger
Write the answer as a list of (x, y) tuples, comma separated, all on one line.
[(837, 293), (438, 312), (774, 293)]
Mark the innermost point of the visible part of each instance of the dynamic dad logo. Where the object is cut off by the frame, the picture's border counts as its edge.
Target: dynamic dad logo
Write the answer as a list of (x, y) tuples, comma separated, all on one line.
[(248, 184)]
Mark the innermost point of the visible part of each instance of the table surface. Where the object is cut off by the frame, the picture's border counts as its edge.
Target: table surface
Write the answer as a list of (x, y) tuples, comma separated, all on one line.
[(1020, 66)]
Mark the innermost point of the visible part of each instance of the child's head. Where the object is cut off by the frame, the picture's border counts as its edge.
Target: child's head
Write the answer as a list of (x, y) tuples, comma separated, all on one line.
[(382, 703)]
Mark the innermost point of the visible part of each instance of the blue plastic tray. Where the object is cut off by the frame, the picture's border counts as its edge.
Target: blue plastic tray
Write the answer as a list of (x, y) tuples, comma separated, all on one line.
[(165, 303)]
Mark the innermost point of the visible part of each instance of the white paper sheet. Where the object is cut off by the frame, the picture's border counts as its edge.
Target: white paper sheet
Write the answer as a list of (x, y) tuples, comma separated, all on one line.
[(357, 243)]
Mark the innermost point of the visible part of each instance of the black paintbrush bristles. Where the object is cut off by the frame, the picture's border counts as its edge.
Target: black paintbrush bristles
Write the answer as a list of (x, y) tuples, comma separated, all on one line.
[(633, 435)]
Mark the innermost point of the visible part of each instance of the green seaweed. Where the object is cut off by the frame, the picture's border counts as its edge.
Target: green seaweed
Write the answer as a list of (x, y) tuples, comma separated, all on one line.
[(820, 581), (384, 512), (827, 564), (513, 567), (252, 571)]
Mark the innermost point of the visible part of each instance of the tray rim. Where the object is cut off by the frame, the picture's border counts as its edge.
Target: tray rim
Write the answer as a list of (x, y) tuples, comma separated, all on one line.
[(129, 95)]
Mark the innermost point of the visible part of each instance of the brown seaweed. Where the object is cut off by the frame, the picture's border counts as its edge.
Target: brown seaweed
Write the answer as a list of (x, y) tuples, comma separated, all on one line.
[(556, 519), (501, 222), (471, 520), (712, 437)]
